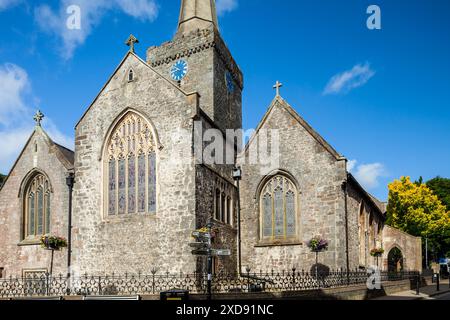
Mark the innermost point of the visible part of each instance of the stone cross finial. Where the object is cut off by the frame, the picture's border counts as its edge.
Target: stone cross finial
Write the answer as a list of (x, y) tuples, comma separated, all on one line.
[(38, 118), (131, 41), (277, 87)]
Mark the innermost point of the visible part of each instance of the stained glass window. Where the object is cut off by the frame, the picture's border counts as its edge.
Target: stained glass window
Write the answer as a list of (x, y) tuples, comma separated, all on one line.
[(290, 213), (122, 186), (279, 208), (131, 153), (47, 213), (37, 207), (279, 213), (31, 215), (267, 215), (131, 185), (152, 183), (141, 183), (112, 188)]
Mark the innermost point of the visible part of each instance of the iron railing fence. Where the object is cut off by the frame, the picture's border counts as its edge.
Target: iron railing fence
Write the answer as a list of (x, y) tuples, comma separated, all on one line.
[(88, 285)]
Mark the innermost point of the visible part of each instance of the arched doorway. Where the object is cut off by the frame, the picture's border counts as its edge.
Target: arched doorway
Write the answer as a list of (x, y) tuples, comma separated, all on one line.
[(395, 260)]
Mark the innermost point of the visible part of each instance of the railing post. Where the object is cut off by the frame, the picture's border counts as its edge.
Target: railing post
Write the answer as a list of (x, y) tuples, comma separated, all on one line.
[(437, 282), (47, 291), (418, 284)]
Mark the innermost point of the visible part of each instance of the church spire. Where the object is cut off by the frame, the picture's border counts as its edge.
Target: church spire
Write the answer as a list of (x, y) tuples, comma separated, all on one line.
[(197, 14)]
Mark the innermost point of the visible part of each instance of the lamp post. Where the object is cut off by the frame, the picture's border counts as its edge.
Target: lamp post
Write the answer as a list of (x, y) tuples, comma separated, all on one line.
[(70, 181), (237, 176)]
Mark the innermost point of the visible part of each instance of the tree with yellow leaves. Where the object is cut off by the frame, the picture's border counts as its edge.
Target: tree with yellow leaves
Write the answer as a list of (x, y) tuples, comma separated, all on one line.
[(415, 209)]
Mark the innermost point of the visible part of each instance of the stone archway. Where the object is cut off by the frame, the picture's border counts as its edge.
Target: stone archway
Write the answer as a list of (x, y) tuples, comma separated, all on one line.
[(395, 260)]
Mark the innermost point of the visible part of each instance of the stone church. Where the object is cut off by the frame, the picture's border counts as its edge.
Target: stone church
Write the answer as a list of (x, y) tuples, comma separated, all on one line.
[(134, 204)]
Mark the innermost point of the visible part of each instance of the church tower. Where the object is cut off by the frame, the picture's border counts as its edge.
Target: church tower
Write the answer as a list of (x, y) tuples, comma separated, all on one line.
[(197, 59)]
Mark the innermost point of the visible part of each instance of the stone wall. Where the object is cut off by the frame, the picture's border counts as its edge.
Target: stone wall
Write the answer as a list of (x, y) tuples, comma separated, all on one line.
[(365, 225), (319, 173), (17, 254), (208, 59), (134, 243), (410, 246), (208, 181)]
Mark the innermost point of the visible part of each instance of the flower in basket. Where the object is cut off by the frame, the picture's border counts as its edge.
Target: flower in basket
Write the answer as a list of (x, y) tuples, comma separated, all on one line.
[(214, 231), (377, 252), (53, 242), (318, 244)]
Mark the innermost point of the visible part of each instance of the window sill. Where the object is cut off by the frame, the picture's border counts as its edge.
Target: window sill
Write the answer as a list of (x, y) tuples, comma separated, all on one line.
[(129, 217), (30, 242), (278, 243)]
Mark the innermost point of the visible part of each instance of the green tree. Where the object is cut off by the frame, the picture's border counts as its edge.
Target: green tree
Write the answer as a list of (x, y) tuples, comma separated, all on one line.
[(415, 209), (2, 178), (441, 188)]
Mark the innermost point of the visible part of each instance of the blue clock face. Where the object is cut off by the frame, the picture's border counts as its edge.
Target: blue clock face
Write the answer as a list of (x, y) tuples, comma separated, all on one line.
[(179, 70), (230, 82)]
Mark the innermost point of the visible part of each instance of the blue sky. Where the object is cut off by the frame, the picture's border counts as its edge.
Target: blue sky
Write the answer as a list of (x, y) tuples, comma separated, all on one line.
[(380, 97)]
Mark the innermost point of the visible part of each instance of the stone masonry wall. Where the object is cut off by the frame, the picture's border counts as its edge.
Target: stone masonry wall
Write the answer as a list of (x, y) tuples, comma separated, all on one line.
[(17, 255), (208, 59), (363, 238), (137, 242), (207, 182), (321, 200), (410, 246)]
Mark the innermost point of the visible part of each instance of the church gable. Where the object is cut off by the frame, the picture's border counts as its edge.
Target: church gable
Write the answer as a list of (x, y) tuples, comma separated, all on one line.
[(34, 202), (281, 116), (38, 149), (134, 78)]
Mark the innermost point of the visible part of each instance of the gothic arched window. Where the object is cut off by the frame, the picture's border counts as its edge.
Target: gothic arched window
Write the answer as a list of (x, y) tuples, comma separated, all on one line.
[(37, 207), (278, 203), (130, 166)]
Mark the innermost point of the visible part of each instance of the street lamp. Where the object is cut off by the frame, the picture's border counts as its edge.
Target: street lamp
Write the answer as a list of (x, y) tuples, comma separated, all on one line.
[(70, 181), (237, 176)]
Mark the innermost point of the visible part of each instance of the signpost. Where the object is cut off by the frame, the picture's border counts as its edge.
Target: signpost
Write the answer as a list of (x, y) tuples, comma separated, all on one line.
[(203, 247)]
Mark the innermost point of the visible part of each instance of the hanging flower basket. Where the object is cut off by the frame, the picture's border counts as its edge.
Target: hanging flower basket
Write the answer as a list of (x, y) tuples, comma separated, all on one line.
[(377, 252), (318, 244), (53, 242), (214, 231)]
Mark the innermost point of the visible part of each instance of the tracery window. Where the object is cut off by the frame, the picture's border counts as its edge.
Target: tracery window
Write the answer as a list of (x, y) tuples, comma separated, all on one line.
[(131, 168), (278, 202), (224, 204), (37, 207)]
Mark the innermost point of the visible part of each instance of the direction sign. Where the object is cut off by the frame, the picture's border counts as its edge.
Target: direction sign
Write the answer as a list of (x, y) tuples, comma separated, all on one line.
[(199, 245), (201, 235), (200, 252), (221, 252)]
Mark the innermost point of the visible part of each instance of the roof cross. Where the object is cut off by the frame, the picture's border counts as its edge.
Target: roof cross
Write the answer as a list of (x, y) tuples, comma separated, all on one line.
[(38, 118), (277, 87), (131, 41)]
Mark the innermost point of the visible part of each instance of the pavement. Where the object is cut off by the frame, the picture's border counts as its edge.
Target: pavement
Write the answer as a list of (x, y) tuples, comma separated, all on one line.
[(426, 293)]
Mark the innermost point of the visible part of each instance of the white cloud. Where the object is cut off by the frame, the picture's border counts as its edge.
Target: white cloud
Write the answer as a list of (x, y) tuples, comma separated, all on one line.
[(6, 4), (16, 116), (14, 85), (344, 82), (351, 164), (224, 6), (367, 174), (91, 12)]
